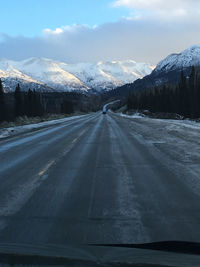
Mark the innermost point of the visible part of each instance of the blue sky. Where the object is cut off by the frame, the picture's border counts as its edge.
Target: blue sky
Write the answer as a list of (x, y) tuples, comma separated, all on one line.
[(140, 30), (30, 17)]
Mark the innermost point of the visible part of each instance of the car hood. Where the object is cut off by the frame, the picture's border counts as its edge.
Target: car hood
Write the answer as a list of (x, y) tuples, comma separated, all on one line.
[(154, 254)]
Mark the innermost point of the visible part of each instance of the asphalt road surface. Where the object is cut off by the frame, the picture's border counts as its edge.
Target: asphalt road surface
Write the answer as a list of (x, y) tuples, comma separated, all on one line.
[(96, 179)]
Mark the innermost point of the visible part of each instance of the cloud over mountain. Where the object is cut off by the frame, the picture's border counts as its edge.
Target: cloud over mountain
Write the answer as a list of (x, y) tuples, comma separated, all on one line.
[(154, 29)]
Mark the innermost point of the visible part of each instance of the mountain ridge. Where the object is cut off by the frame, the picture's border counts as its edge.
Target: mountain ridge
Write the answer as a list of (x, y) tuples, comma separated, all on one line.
[(49, 75), (187, 58), (167, 71)]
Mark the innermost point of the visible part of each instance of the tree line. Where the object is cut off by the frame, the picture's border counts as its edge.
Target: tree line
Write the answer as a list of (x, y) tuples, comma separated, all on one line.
[(30, 104), (183, 98)]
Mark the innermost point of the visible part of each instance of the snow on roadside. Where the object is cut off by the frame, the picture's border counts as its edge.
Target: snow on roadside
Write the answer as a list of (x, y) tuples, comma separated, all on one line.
[(11, 131), (177, 143), (185, 123), (134, 116), (178, 138)]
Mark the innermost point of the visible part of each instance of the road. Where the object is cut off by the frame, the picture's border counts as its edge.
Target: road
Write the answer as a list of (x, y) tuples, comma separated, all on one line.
[(98, 179), (105, 107)]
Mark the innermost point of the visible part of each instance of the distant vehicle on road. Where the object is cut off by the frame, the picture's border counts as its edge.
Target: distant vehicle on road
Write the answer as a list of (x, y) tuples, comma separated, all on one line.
[(104, 112)]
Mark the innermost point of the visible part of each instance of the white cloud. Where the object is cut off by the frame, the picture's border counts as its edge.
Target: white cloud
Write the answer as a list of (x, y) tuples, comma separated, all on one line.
[(69, 28), (163, 9), (156, 4), (143, 36), (56, 31)]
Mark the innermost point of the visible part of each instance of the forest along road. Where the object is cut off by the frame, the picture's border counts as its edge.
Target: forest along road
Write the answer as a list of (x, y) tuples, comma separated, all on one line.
[(101, 179)]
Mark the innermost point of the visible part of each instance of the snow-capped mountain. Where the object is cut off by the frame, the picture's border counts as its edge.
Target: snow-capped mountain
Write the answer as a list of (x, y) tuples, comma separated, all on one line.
[(108, 75), (49, 75), (168, 71), (188, 58)]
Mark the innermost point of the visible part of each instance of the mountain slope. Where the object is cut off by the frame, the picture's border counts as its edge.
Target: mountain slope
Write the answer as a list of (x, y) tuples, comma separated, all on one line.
[(167, 71), (188, 58), (108, 75), (59, 76), (50, 73), (11, 76)]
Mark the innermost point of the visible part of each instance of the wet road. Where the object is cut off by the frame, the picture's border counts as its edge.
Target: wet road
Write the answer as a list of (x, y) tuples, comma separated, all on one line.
[(94, 179)]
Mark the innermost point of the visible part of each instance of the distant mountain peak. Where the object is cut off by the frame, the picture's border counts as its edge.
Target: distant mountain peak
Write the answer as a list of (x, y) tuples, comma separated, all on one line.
[(187, 58), (168, 71), (60, 76)]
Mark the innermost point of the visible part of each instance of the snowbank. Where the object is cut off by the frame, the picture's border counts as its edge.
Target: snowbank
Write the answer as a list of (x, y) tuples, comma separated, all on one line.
[(184, 123), (134, 116), (11, 131)]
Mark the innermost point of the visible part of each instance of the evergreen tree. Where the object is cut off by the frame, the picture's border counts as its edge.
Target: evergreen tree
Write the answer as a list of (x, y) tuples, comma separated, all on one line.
[(18, 102), (183, 99), (38, 109), (67, 107), (183, 96), (192, 92), (2, 103), (30, 103), (33, 106)]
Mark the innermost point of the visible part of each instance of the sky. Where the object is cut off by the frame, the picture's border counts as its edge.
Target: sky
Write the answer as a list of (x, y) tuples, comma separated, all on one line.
[(97, 30)]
